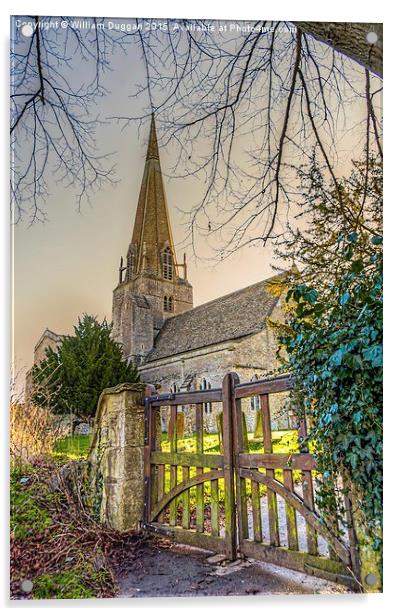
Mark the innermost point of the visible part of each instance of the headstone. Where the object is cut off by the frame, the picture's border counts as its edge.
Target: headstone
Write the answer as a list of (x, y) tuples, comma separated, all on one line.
[(83, 428), (258, 433)]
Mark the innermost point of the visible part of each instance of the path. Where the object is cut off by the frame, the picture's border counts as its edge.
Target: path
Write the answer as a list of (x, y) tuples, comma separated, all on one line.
[(160, 568)]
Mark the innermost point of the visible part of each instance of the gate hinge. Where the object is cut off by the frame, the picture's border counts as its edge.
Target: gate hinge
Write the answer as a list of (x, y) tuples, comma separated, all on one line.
[(158, 530), (159, 398)]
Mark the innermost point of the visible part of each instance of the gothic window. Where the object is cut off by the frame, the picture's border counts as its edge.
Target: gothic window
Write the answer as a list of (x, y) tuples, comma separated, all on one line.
[(168, 303), (174, 388), (167, 264), (255, 400), (204, 384)]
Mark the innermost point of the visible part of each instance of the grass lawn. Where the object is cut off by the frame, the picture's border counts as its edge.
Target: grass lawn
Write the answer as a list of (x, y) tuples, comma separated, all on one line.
[(73, 447), (284, 441)]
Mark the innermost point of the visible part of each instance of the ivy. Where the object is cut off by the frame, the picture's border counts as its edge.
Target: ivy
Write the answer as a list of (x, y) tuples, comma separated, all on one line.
[(336, 354), (332, 339)]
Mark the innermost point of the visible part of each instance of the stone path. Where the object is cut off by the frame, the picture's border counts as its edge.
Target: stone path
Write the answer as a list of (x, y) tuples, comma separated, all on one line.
[(282, 523), (162, 569)]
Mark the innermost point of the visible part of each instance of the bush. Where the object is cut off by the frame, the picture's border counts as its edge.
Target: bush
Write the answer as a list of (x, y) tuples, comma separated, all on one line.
[(33, 432)]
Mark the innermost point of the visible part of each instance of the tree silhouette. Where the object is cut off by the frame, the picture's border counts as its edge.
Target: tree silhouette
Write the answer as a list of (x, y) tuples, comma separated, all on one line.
[(242, 109)]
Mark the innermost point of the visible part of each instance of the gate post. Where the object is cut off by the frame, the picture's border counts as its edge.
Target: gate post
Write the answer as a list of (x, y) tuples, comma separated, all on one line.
[(116, 457), (229, 382), (149, 441)]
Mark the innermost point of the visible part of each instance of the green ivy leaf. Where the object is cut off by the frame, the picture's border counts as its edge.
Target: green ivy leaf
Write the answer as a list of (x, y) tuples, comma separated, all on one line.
[(344, 299)]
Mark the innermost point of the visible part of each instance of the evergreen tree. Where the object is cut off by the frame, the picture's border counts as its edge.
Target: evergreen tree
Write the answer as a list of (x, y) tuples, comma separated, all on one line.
[(71, 378)]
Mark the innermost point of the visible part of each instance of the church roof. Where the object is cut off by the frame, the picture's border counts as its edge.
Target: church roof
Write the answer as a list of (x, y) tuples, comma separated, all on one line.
[(227, 318)]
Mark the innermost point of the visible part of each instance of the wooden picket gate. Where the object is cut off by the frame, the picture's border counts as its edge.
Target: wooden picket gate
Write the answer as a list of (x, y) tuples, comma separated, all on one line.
[(238, 502)]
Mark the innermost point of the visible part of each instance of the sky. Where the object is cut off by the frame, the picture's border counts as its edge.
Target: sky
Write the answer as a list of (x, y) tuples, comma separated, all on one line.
[(68, 265)]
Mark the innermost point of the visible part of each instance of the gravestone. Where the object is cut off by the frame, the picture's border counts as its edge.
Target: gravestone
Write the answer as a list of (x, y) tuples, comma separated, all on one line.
[(83, 428), (258, 433)]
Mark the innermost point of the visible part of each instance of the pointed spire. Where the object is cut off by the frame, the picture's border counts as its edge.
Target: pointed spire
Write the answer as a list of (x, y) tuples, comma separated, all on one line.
[(152, 233), (152, 150)]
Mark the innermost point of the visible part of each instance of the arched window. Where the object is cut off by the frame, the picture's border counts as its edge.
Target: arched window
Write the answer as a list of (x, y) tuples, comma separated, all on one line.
[(204, 384), (168, 303), (255, 403), (255, 400), (167, 264)]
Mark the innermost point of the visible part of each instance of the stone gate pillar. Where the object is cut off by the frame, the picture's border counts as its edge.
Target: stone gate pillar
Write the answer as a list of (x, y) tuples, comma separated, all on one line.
[(116, 458)]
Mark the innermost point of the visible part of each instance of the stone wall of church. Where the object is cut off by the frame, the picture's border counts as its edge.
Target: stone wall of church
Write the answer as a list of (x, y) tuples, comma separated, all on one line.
[(251, 358), (138, 311), (46, 342)]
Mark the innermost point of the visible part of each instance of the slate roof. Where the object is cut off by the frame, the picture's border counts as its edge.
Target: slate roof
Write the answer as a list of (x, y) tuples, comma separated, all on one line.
[(227, 318)]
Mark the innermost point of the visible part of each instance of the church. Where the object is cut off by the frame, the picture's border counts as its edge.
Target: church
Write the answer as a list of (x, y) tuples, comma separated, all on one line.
[(176, 346)]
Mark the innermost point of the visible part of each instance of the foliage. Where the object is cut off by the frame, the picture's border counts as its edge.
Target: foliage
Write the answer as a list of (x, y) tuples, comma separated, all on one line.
[(326, 214), (71, 378), (334, 339), (54, 541), (32, 431), (27, 516), (66, 585)]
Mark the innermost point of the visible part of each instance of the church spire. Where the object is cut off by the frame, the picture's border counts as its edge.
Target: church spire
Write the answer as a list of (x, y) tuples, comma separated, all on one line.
[(152, 249), (152, 150)]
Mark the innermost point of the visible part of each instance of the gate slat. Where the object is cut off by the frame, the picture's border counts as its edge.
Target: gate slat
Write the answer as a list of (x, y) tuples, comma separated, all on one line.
[(308, 499), (333, 525), (292, 531), (215, 507), (173, 468), (307, 489), (256, 511), (240, 440), (161, 489), (186, 499), (199, 440), (227, 444), (268, 448)]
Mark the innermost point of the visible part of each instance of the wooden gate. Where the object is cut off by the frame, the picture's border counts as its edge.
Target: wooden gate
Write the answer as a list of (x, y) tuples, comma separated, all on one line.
[(244, 498)]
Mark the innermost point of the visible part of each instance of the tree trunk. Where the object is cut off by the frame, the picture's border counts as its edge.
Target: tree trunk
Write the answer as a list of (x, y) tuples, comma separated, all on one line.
[(349, 39)]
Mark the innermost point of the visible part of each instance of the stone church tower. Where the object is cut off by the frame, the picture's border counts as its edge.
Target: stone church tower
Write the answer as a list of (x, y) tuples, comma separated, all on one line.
[(152, 285)]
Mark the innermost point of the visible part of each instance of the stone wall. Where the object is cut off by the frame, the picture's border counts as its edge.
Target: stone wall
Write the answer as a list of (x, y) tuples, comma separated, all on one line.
[(48, 340), (116, 472), (251, 357), (138, 311)]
